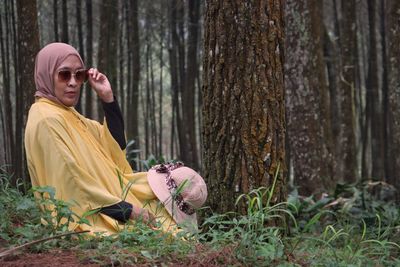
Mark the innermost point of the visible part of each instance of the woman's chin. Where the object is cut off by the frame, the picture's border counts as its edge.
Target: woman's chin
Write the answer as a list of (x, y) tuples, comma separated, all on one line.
[(69, 102)]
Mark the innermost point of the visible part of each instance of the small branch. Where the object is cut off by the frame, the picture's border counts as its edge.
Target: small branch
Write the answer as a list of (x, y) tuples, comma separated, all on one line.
[(12, 250)]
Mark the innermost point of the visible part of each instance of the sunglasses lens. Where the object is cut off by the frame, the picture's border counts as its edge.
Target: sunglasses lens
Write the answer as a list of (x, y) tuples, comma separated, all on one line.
[(81, 75), (64, 75)]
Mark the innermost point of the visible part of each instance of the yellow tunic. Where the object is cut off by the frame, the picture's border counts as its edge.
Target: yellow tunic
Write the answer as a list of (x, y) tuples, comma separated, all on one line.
[(81, 160)]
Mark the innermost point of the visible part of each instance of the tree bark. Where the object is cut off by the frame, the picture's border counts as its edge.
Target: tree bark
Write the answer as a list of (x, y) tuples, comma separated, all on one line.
[(376, 122), (393, 7), (108, 42), (78, 5), (176, 70), (28, 46), (308, 118), (189, 91), (65, 35), (243, 100), (346, 151), (8, 133), (55, 20), (89, 56), (134, 72)]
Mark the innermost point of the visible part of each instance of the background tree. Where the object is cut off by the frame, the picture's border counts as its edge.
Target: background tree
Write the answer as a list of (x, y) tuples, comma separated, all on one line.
[(308, 118), (352, 85), (108, 44), (133, 72), (346, 153), (28, 45), (393, 37), (243, 99)]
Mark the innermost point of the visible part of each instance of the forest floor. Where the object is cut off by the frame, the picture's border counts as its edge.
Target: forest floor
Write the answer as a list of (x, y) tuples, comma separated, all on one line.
[(88, 257), (76, 257), (341, 230)]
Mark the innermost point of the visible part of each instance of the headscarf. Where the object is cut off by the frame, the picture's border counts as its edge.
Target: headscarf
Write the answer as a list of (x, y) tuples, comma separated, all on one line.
[(47, 61)]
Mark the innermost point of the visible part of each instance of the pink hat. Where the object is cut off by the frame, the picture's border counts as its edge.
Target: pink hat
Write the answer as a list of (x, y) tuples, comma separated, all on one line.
[(166, 179)]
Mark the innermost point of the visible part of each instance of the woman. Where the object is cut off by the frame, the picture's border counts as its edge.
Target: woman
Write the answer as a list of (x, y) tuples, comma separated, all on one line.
[(84, 160)]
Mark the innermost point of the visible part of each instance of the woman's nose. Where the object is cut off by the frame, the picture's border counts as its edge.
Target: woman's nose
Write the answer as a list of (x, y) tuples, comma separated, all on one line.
[(72, 82)]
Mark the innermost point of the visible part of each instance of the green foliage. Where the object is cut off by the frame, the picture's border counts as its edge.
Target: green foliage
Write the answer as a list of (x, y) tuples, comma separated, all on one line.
[(137, 243), (256, 236), (349, 228), (26, 218)]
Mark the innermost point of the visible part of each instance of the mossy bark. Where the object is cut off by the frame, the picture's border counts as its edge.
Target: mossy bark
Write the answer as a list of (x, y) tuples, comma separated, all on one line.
[(243, 100)]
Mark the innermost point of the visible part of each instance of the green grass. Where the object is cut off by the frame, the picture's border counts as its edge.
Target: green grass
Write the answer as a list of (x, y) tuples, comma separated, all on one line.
[(300, 232)]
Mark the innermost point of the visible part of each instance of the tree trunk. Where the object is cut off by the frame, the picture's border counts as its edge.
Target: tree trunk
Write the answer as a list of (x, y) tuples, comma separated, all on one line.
[(160, 99), (108, 43), (243, 100), (78, 5), (55, 20), (176, 70), (346, 151), (65, 35), (8, 134), (376, 122), (28, 46), (89, 56), (189, 92), (308, 118), (134, 72), (393, 7)]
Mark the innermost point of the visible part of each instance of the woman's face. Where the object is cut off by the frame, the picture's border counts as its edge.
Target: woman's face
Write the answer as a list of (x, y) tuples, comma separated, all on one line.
[(68, 91)]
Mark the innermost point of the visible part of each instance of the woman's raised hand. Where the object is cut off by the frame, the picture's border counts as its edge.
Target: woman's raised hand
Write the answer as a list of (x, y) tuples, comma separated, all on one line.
[(99, 82)]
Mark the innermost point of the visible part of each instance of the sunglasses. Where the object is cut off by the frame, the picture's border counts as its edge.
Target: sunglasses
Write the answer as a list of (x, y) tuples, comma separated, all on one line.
[(66, 75)]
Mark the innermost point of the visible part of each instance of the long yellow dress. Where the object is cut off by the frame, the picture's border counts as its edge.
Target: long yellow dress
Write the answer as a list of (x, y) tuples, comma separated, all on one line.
[(82, 161)]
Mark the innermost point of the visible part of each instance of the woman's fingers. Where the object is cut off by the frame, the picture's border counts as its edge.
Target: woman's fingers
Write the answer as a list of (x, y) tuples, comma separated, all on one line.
[(144, 215), (95, 74)]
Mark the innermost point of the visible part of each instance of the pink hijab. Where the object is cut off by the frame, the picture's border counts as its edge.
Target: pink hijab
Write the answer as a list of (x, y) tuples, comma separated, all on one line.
[(47, 61)]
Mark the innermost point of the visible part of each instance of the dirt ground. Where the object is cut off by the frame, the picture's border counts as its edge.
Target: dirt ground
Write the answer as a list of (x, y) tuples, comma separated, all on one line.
[(66, 258), (72, 258)]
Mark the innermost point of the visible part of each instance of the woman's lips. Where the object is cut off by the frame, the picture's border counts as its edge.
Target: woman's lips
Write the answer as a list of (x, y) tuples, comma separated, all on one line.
[(70, 94)]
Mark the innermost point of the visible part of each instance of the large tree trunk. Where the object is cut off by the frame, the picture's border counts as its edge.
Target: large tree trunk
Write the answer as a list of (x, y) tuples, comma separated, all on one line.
[(243, 99), (308, 123), (393, 6), (28, 46)]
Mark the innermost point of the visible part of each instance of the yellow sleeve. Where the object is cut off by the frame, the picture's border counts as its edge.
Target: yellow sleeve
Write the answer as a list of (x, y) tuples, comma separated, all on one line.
[(57, 164), (105, 138)]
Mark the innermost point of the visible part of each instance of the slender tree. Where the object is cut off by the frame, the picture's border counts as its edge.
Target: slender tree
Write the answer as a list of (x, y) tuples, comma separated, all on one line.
[(108, 43), (89, 55), (55, 20), (133, 72), (189, 92), (28, 46), (375, 99), (81, 49), (7, 111), (346, 153), (65, 35)]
